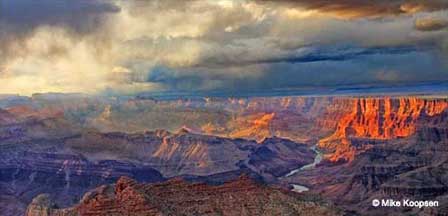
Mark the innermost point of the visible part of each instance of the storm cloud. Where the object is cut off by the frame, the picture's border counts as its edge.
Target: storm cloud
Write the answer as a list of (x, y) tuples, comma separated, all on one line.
[(242, 45), (358, 9), (79, 15)]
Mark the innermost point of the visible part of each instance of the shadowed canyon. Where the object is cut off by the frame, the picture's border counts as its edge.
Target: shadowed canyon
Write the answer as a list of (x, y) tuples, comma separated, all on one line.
[(75, 154)]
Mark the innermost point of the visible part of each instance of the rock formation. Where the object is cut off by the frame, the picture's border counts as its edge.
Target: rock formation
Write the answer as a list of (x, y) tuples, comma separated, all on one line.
[(376, 119), (177, 197), (386, 162), (374, 147), (50, 155)]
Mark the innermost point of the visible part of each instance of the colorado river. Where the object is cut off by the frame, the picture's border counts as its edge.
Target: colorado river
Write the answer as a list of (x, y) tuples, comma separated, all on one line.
[(299, 188), (317, 160)]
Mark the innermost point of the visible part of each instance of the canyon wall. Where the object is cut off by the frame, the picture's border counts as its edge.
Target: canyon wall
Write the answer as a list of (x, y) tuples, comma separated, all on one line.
[(372, 120), (391, 143)]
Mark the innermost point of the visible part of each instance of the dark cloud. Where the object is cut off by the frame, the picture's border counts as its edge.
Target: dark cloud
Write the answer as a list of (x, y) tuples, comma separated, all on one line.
[(22, 16), (431, 24), (19, 20), (366, 8), (382, 69), (315, 54), (190, 79), (214, 46), (385, 66), (341, 54)]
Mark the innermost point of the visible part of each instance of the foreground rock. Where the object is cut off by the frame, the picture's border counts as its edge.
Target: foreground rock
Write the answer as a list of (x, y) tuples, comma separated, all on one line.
[(177, 197), (65, 177)]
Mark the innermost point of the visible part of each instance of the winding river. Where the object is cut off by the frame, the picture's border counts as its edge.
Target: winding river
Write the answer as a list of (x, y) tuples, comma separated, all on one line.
[(300, 188)]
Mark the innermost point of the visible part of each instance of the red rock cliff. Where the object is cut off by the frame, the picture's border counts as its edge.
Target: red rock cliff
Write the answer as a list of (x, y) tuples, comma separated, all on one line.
[(378, 119)]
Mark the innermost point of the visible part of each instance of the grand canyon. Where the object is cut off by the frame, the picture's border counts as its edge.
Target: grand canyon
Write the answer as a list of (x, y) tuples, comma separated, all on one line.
[(77, 154), (223, 107)]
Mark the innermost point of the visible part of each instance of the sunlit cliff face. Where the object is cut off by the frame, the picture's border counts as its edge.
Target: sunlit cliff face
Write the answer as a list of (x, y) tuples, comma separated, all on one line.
[(257, 126), (379, 119)]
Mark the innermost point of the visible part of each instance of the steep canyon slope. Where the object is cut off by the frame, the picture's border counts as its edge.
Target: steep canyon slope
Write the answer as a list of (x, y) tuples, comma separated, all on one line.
[(372, 146), (386, 147), (43, 153), (379, 119)]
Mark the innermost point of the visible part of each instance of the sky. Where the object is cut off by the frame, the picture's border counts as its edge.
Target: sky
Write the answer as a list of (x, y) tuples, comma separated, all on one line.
[(132, 46)]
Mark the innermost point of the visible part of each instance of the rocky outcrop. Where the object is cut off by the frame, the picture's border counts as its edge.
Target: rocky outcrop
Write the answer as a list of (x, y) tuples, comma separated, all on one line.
[(65, 177), (177, 197), (42, 205), (379, 119), (257, 126)]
